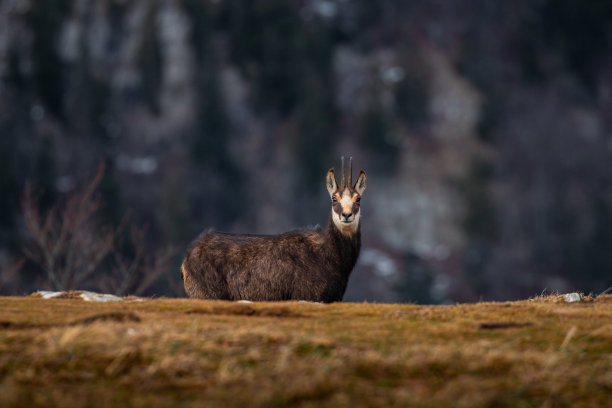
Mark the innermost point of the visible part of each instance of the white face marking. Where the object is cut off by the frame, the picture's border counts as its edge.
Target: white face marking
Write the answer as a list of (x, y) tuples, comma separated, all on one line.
[(346, 202), (346, 226)]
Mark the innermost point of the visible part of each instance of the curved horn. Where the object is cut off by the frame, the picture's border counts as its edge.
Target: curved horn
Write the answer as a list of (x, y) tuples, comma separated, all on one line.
[(343, 181), (350, 174)]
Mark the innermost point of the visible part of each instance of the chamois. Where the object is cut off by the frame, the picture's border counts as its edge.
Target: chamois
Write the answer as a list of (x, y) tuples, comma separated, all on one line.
[(307, 264)]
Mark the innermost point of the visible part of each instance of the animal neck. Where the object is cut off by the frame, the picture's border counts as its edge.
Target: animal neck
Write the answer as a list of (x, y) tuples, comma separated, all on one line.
[(348, 233), (344, 245)]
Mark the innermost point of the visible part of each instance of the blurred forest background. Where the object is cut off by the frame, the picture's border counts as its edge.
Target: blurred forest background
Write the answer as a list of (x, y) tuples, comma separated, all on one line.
[(485, 128)]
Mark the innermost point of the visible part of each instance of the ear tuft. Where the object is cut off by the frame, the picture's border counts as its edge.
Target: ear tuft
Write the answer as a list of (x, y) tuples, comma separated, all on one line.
[(360, 185), (330, 182)]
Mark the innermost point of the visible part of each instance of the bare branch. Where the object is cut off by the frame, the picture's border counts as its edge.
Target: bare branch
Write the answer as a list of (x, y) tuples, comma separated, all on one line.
[(136, 275), (66, 241)]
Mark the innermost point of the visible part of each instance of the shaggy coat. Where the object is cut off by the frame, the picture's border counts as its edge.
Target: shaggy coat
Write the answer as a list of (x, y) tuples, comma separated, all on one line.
[(297, 265), (311, 264)]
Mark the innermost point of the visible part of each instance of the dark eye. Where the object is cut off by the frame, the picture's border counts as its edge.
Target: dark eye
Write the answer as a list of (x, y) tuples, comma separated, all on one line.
[(358, 199), (334, 199)]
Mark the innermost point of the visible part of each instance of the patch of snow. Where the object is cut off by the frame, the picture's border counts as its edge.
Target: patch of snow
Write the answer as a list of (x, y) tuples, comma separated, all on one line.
[(245, 301), (47, 294), (99, 297), (572, 297), (89, 296)]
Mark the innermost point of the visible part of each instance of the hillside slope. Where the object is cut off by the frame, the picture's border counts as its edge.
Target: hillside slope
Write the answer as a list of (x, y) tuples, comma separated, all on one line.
[(179, 352)]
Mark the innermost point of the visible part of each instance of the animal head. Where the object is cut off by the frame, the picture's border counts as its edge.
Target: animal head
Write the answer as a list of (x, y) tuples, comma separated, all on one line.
[(346, 198)]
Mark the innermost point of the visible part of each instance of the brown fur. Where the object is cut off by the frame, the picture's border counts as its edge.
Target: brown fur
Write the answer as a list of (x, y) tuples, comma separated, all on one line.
[(311, 264)]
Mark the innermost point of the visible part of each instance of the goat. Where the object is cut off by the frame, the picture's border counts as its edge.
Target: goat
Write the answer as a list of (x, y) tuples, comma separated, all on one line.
[(307, 264)]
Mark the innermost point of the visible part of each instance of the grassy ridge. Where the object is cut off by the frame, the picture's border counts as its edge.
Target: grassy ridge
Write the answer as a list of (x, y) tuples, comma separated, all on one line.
[(179, 352)]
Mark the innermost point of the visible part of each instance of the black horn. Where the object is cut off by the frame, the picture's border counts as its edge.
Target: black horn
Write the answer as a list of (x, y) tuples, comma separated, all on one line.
[(343, 181)]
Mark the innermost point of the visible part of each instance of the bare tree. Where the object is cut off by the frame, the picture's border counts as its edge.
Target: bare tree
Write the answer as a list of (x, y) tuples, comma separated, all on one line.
[(135, 275), (66, 241)]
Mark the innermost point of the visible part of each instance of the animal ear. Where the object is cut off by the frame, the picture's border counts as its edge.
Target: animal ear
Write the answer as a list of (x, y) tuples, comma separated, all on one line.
[(360, 185), (330, 182)]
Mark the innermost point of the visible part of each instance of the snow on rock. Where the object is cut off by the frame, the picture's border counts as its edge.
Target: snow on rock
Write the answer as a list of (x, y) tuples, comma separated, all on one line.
[(85, 295), (99, 297), (572, 297), (47, 294)]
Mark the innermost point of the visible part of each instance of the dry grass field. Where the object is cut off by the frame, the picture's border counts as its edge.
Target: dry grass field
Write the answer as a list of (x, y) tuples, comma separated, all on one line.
[(541, 352)]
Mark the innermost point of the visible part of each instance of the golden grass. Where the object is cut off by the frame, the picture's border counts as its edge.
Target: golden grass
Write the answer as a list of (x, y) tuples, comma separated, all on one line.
[(179, 352)]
